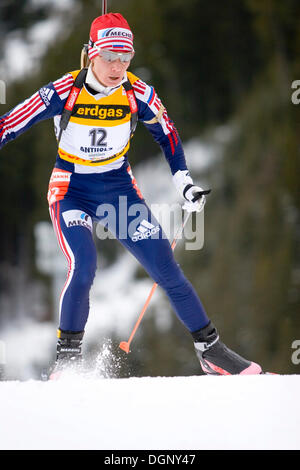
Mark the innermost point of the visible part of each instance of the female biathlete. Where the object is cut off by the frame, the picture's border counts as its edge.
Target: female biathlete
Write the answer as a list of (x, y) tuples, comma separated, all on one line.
[(95, 111)]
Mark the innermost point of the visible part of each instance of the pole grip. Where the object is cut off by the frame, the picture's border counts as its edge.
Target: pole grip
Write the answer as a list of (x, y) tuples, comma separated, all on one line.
[(200, 194)]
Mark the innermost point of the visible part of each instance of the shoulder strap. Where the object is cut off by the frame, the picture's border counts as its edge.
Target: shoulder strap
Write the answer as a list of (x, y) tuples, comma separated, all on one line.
[(73, 95), (132, 104)]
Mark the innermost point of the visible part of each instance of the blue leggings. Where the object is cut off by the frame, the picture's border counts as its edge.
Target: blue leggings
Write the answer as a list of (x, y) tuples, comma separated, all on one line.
[(113, 199)]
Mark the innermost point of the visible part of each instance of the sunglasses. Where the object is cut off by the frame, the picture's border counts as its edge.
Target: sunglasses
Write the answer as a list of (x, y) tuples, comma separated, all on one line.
[(110, 56)]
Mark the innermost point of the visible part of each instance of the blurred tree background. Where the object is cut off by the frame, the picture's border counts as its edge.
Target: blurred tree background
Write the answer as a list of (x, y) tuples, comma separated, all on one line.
[(213, 63)]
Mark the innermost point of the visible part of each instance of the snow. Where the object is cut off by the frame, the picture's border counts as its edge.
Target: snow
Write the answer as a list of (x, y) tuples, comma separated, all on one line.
[(99, 411), (151, 413)]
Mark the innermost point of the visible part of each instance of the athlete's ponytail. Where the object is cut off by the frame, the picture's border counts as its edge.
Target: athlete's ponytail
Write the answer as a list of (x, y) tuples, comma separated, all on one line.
[(84, 58)]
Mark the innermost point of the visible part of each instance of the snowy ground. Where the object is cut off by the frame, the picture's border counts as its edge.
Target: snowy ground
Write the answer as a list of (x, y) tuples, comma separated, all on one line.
[(187, 413), (104, 413)]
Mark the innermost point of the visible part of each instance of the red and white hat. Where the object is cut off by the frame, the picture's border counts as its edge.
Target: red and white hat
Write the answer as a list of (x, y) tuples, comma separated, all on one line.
[(110, 31)]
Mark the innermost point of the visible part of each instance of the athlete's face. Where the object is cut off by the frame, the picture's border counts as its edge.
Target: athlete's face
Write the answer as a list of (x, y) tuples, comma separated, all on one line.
[(109, 73)]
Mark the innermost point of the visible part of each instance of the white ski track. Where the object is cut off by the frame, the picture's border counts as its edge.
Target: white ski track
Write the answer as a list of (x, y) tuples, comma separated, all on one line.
[(86, 412)]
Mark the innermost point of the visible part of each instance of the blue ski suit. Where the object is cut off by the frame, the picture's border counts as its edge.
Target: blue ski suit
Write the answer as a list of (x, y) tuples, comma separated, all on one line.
[(92, 172)]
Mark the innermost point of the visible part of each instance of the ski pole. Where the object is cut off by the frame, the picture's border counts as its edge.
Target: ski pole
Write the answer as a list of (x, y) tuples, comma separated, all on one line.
[(84, 58), (104, 7), (125, 345)]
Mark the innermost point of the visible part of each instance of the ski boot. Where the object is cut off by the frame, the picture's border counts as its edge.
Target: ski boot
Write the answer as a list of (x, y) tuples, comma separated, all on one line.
[(216, 359), (68, 353)]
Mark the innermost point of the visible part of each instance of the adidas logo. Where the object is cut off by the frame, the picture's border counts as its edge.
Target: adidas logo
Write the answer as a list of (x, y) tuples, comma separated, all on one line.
[(46, 95), (144, 231)]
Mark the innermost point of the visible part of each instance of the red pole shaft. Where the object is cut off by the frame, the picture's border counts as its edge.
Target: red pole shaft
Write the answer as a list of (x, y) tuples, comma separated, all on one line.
[(124, 345)]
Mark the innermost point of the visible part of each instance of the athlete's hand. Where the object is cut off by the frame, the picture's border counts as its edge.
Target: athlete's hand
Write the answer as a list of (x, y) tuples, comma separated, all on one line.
[(194, 195)]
